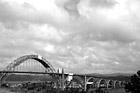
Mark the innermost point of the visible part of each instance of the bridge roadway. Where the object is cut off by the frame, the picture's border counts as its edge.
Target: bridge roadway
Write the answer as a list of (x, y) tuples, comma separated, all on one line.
[(85, 80), (53, 73)]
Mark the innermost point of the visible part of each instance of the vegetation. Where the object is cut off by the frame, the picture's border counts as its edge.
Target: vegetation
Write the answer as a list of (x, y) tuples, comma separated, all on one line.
[(134, 85), (39, 87), (48, 87)]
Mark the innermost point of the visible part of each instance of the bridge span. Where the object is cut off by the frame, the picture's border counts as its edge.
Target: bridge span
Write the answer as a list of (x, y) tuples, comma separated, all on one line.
[(27, 64)]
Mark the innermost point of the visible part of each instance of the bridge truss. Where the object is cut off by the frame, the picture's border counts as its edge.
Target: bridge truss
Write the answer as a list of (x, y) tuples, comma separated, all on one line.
[(26, 63), (30, 60)]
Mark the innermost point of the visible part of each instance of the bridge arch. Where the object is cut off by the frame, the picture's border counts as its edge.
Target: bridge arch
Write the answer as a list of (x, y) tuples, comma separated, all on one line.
[(121, 83), (22, 59), (116, 84), (101, 83), (91, 79), (110, 84), (91, 83), (76, 81)]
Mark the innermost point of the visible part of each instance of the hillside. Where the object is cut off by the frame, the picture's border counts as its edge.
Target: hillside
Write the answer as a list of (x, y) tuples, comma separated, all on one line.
[(114, 76), (14, 77)]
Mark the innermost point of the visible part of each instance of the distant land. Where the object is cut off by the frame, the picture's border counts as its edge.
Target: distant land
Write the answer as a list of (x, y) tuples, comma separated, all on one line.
[(115, 76)]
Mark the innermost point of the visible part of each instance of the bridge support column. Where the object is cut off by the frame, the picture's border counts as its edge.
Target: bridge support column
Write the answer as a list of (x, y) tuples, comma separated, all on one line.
[(63, 79), (85, 85), (0, 83)]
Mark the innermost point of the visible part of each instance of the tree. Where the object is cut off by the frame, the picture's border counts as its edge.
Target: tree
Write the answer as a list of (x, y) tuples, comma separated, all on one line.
[(134, 84)]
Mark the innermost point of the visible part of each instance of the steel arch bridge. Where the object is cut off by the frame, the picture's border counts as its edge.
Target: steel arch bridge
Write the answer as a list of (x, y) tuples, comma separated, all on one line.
[(85, 80), (22, 59)]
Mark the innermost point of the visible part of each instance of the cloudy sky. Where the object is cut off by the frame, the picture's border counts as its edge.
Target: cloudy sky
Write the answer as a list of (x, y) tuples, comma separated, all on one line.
[(81, 36)]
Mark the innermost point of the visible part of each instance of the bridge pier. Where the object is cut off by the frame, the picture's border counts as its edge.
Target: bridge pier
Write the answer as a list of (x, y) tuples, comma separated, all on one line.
[(62, 76), (0, 83), (85, 85), (61, 83), (63, 80)]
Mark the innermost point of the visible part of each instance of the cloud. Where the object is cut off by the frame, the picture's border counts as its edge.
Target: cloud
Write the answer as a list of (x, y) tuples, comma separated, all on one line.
[(66, 31), (69, 6), (15, 12), (102, 3), (49, 48)]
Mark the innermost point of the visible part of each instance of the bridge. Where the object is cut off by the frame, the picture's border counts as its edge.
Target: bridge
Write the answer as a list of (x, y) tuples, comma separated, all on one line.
[(36, 64)]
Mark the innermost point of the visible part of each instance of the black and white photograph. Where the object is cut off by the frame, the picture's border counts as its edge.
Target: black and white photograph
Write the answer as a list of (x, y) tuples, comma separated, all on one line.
[(69, 46)]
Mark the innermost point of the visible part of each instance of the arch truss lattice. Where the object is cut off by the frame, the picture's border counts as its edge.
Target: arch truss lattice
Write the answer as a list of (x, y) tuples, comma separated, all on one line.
[(22, 59)]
